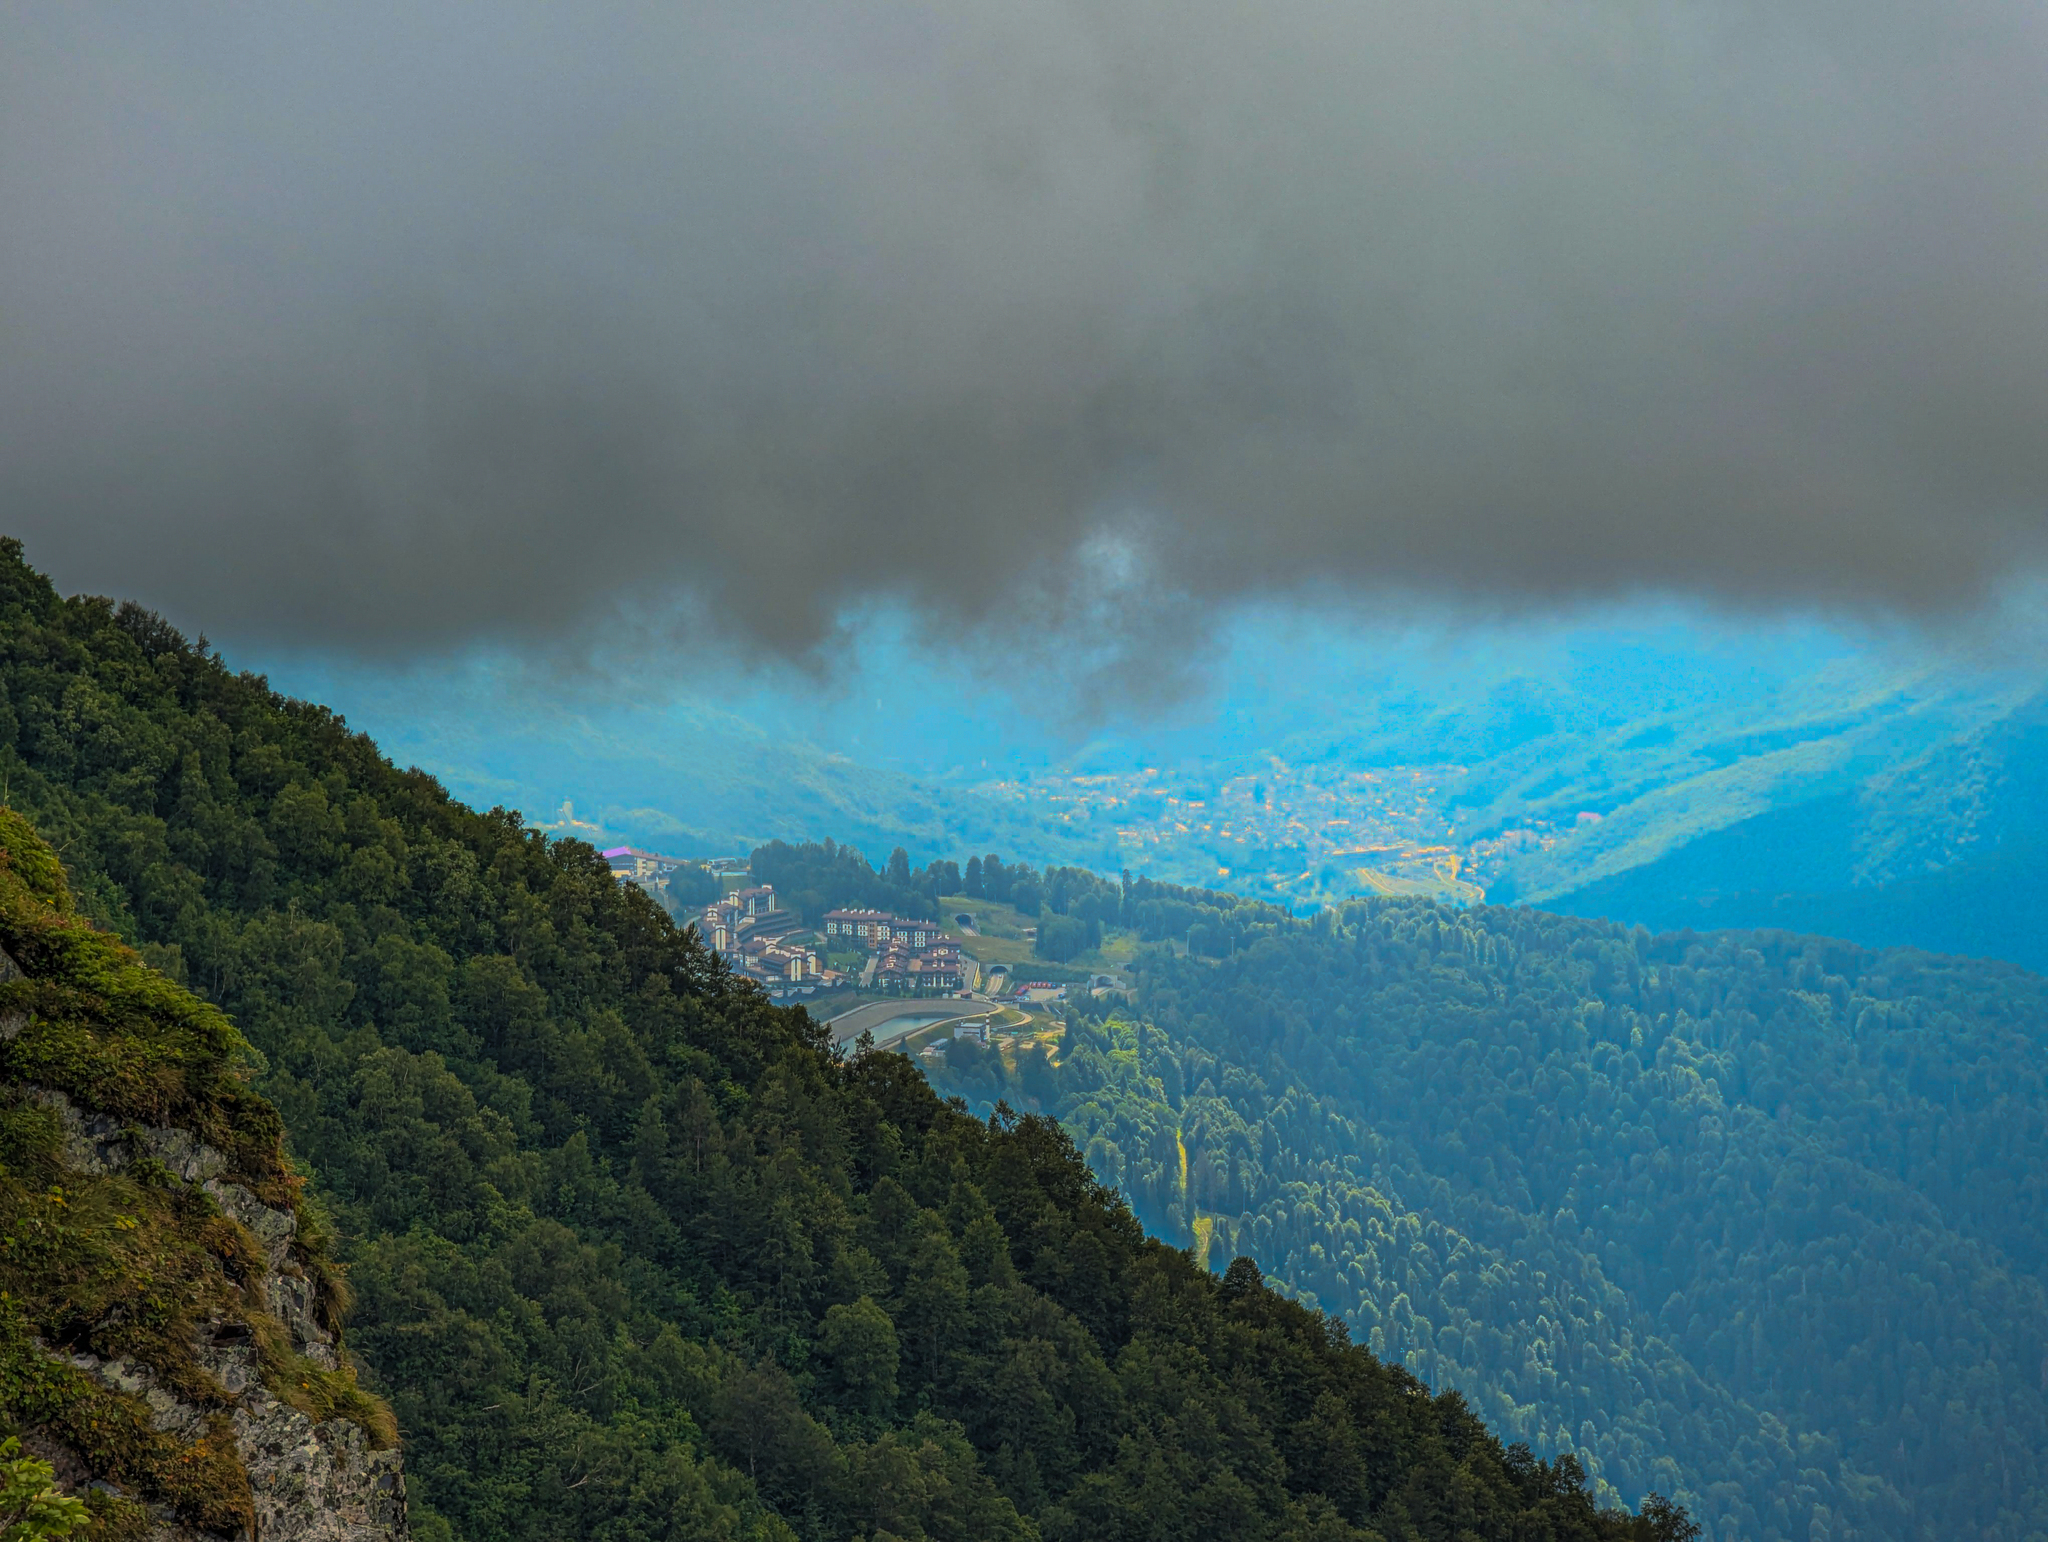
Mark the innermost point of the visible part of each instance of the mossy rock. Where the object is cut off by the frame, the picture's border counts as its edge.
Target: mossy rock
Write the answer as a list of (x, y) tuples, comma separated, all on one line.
[(32, 865), (108, 1257)]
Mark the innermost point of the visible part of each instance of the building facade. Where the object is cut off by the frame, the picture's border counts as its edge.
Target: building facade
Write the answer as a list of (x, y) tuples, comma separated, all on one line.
[(929, 971), (870, 928), (629, 864), (876, 929)]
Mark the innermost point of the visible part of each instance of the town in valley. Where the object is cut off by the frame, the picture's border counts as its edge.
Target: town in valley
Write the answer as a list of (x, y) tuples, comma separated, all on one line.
[(892, 976)]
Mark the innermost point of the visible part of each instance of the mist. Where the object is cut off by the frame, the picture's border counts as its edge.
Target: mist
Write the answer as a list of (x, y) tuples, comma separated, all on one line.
[(390, 329)]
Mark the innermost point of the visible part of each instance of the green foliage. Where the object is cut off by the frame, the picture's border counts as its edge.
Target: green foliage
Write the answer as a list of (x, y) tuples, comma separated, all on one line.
[(1061, 938), (628, 1243), (860, 1347), (115, 1036), (1074, 904), (820, 876), (1157, 911), (1751, 1217), (689, 888), (32, 1508)]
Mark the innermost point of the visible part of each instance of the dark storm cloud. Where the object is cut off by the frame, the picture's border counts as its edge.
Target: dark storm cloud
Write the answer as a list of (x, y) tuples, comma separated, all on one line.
[(394, 325)]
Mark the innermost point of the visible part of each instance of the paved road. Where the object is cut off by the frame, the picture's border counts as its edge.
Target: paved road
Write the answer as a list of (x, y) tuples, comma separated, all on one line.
[(889, 1021)]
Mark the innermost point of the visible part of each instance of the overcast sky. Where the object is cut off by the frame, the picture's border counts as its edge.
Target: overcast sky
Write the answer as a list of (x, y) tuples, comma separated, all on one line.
[(392, 327)]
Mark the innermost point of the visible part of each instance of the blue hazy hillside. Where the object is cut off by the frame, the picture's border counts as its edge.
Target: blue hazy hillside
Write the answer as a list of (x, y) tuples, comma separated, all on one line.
[(1915, 827), (678, 773), (1644, 766)]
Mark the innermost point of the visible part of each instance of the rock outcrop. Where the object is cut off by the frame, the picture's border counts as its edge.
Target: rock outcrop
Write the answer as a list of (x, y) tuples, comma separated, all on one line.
[(170, 1336), (308, 1481)]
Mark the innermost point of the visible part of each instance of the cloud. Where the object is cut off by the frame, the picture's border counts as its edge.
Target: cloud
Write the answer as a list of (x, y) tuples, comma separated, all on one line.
[(392, 327)]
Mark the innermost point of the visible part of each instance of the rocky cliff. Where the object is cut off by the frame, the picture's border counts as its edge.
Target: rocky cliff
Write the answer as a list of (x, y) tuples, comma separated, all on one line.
[(170, 1328)]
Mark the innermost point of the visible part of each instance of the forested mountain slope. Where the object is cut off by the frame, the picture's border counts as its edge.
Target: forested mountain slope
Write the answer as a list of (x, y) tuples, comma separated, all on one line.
[(635, 1256), (1752, 1216)]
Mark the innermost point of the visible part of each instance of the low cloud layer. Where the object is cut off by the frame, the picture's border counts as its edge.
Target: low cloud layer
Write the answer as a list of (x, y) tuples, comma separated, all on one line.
[(392, 326)]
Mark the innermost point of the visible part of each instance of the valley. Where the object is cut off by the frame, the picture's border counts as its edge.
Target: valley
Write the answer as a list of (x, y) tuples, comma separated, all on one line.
[(1821, 787), (1628, 1196), (1066, 772), (631, 1251)]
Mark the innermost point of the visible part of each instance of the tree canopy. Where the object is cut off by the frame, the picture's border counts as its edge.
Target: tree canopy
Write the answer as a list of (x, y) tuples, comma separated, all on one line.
[(1750, 1217)]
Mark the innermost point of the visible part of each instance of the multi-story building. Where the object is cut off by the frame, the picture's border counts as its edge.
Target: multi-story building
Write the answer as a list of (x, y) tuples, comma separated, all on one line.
[(911, 955), (728, 922), (771, 961), (870, 928), (774, 923), (876, 929), (919, 934), (714, 928), (919, 972), (629, 864), (720, 925)]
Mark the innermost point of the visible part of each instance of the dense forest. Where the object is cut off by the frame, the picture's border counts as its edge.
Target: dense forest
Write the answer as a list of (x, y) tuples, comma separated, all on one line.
[(818, 876), (1074, 907), (1753, 1217), (635, 1254)]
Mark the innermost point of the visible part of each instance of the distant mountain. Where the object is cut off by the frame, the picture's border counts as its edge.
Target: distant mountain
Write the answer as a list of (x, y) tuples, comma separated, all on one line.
[(687, 777), (1666, 773), (1850, 792), (1916, 819)]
